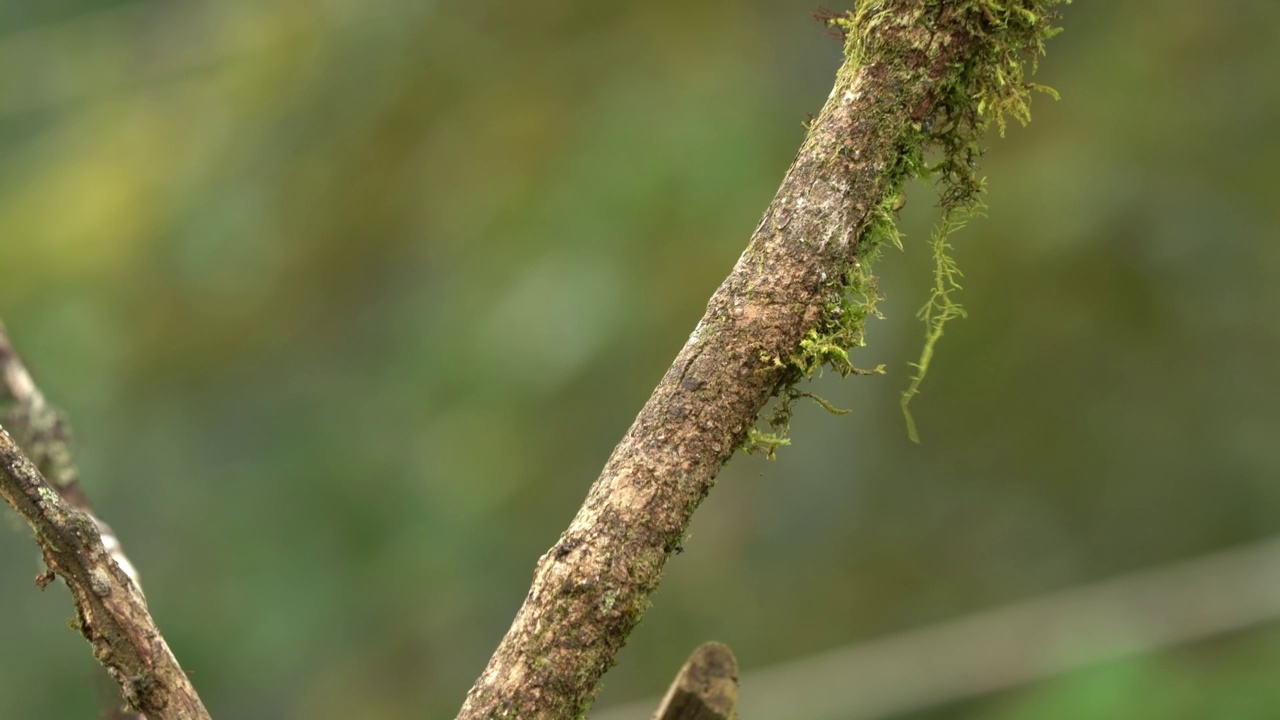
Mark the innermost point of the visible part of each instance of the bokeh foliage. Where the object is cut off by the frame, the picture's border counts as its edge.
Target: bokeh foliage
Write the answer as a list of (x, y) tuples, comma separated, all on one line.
[(349, 301)]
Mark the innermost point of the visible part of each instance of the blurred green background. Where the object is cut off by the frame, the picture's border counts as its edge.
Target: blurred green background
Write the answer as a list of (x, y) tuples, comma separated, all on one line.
[(349, 301)]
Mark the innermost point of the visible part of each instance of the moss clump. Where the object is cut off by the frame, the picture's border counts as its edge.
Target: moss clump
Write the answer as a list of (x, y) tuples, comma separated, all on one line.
[(902, 38), (1008, 37), (826, 345)]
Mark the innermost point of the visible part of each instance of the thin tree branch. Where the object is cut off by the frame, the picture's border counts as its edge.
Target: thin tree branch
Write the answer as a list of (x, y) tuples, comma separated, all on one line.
[(42, 432), (706, 688), (111, 610), (1005, 647), (908, 64), (44, 435)]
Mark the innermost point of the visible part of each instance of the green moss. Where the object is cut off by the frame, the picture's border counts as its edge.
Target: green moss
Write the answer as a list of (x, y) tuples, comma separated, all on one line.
[(989, 86), (940, 307), (900, 36), (765, 443), (841, 328)]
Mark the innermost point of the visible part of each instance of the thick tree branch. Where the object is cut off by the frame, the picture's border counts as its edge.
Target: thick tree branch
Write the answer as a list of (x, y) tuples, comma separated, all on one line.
[(916, 70), (111, 611)]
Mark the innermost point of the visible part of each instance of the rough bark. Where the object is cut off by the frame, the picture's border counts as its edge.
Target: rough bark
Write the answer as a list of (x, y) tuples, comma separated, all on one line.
[(909, 60), (110, 610)]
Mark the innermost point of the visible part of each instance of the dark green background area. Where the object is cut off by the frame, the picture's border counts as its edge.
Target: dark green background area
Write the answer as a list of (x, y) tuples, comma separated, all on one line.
[(349, 301)]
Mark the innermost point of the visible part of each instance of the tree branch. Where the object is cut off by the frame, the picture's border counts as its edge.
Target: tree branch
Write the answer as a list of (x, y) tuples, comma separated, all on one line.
[(905, 673), (706, 688), (43, 434), (911, 66), (111, 611)]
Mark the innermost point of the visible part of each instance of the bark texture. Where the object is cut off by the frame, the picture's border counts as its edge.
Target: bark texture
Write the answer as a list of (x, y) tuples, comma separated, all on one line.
[(110, 610), (909, 59)]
